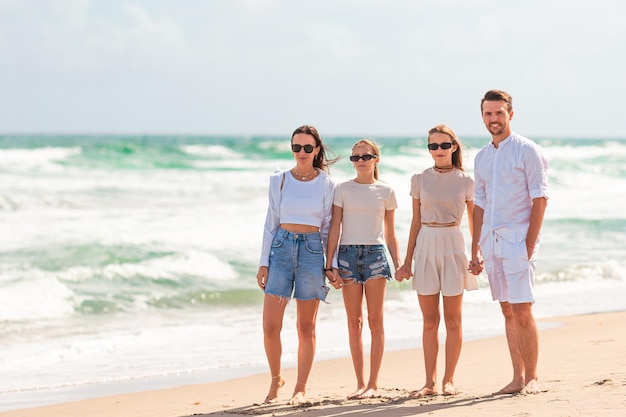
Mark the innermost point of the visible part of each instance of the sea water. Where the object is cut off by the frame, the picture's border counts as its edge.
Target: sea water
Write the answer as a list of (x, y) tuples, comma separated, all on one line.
[(128, 262)]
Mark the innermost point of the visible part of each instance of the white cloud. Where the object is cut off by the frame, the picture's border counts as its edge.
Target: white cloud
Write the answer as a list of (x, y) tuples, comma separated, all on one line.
[(256, 66)]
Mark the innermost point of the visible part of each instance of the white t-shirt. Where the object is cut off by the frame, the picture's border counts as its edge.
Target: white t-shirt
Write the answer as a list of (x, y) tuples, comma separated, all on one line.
[(364, 207), (442, 195)]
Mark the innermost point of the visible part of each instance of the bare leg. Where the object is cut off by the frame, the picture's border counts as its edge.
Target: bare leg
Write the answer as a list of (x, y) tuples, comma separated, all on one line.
[(307, 314), (353, 302), (452, 307), (273, 312), (528, 341), (512, 337), (429, 304), (374, 296)]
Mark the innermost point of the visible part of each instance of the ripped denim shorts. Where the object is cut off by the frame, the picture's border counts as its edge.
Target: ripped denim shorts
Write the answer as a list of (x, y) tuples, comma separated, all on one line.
[(363, 262)]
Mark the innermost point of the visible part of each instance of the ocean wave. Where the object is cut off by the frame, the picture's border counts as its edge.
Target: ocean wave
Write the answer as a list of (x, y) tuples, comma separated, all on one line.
[(211, 151), (41, 297), (88, 280), (609, 270), (37, 159)]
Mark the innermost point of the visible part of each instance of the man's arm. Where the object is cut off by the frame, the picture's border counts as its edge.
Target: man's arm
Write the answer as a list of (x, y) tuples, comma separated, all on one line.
[(536, 220)]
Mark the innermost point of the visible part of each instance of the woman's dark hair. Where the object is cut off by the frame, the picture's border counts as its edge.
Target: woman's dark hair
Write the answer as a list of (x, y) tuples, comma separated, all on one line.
[(320, 161)]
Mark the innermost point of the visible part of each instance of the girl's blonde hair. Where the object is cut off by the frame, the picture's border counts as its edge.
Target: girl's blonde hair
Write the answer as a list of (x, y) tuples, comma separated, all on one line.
[(375, 151)]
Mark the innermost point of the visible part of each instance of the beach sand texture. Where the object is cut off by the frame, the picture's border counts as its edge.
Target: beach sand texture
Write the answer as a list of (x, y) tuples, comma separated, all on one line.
[(582, 367)]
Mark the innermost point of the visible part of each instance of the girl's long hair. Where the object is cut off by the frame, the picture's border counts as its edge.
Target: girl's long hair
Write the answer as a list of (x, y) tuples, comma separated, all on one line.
[(457, 156), (375, 150)]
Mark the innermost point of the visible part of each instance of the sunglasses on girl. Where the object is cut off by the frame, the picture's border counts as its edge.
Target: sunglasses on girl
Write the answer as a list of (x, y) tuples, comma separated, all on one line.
[(366, 157), (307, 148), (435, 146)]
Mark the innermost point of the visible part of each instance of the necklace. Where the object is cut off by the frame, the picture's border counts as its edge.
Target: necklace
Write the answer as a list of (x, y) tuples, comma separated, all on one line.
[(447, 168), (303, 177)]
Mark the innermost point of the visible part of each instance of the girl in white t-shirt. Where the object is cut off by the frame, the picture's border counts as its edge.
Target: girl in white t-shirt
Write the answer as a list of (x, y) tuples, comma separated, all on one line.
[(440, 195), (362, 221)]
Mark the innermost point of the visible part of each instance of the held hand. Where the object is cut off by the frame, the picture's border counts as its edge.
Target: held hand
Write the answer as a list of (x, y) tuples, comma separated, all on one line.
[(403, 273), (476, 265), (261, 277), (400, 274), (334, 278)]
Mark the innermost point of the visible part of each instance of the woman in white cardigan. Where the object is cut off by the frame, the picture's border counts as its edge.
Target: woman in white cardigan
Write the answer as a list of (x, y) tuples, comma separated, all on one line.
[(292, 257)]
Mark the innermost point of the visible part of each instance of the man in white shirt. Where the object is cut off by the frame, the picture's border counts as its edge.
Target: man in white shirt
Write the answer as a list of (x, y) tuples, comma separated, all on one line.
[(510, 201)]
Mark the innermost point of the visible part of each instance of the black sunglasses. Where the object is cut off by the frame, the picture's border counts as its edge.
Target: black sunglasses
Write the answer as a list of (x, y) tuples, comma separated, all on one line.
[(366, 157), (435, 146), (307, 148)]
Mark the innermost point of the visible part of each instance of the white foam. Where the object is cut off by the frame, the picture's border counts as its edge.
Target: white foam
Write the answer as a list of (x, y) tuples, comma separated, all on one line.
[(33, 295), (211, 151), (29, 159)]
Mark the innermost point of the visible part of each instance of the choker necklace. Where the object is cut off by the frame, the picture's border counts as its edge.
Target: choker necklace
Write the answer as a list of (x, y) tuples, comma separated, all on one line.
[(444, 169), (304, 176)]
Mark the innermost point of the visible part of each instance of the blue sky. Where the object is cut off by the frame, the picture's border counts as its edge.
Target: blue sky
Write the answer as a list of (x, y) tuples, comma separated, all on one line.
[(358, 67)]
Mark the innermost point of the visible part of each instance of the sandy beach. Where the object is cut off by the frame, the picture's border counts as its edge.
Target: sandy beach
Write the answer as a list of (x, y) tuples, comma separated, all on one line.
[(582, 366)]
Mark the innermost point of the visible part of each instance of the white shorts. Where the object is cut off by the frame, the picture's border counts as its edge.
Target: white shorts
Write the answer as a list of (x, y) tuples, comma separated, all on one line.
[(440, 261), (511, 274)]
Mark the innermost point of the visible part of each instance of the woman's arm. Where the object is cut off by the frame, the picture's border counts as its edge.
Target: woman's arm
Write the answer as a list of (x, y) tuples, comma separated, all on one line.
[(476, 263), (416, 225), (331, 247)]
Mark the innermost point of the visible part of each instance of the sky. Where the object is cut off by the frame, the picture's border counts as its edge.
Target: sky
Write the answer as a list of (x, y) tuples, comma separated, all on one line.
[(349, 67)]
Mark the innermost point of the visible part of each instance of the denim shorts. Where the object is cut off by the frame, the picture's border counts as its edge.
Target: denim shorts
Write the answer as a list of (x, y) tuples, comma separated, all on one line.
[(363, 262), (296, 266)]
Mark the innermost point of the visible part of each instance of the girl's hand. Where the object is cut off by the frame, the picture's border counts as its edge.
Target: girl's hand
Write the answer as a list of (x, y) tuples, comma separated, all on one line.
[(402, 273), (476, 264), (334, 278)]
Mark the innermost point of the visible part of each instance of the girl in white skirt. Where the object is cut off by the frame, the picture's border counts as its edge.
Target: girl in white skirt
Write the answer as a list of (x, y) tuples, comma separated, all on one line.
[(440, 195)]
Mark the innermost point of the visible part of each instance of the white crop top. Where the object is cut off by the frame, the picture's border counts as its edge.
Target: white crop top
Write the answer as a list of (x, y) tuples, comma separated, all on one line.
[(442, 196), (317, 213), (364, 207), (302, 202)]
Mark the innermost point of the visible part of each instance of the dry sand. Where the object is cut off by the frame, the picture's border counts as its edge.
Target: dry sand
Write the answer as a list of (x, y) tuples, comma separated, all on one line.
[(582, 368)]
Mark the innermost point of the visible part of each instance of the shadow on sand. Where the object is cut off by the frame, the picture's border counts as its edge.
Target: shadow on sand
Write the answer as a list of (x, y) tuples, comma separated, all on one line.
[(396, 403)]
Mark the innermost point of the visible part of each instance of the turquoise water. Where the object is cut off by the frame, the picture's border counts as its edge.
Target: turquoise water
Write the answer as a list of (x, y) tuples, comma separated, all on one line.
[(128, 258)]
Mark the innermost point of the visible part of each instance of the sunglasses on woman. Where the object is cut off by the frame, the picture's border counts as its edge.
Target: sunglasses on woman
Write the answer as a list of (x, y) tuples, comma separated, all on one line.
[(366, 157), (435, 146), (307, 148)]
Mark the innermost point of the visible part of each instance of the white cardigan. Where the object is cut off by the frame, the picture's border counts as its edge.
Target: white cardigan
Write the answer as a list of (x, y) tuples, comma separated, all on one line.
[(272, 220)]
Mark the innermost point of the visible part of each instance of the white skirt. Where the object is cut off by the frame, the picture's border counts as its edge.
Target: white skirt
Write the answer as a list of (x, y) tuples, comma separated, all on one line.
[(441, 263)]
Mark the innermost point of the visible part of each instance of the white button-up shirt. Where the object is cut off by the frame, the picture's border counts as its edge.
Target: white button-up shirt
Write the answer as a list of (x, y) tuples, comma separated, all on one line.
[(507, 179)]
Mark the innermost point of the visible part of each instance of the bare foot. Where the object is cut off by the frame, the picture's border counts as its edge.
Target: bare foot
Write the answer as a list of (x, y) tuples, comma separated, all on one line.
[(424, 392), (448, 389), (368, 393), (514, 387), (531, 388), (356, 394), (297, 399), (277, 383)]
